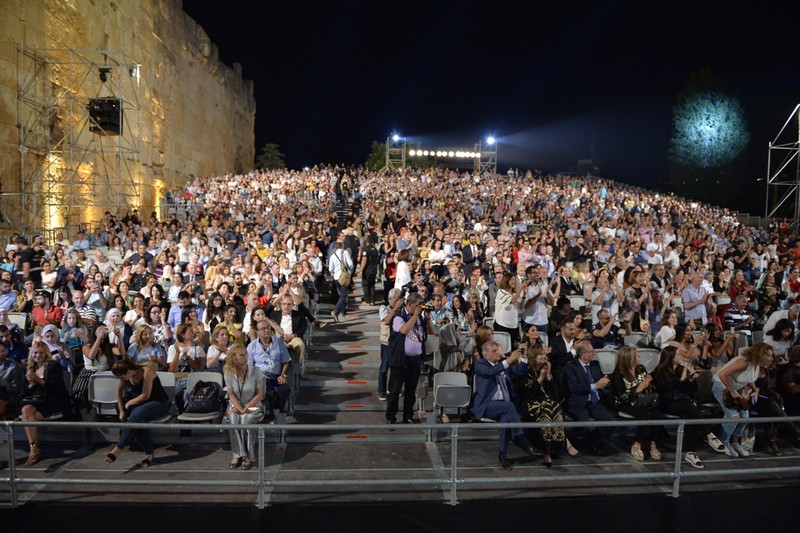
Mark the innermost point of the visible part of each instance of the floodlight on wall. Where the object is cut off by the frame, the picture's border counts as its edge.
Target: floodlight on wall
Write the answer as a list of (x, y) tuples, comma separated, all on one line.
[(103, 72)]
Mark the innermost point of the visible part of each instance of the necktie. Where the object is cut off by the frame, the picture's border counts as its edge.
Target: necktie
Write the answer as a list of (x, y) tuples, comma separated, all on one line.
[(501, 385), (593, 395)]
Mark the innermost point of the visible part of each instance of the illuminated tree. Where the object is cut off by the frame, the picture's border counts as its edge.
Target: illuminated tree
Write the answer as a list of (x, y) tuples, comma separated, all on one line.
[(709, 131), (270, 157)]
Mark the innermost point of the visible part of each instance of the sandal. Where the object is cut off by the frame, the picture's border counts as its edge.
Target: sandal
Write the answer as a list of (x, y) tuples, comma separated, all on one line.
[(34, 454), (146, 462), (636, 452), (572, 450), (235, 464), (110, 458), (655, 455), (247, 464)]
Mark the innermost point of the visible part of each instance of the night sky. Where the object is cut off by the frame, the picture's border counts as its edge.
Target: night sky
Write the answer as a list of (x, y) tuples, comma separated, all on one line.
[(549, 81)]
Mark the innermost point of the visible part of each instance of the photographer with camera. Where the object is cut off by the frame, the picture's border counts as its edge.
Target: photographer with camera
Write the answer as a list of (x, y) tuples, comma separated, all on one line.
[(414, 324)]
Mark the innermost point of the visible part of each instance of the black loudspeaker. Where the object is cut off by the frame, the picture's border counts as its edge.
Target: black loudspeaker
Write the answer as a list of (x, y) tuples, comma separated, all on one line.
[(106, 115)]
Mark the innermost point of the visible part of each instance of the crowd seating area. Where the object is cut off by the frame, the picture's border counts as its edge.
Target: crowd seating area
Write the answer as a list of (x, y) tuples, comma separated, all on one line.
[(242, 242)]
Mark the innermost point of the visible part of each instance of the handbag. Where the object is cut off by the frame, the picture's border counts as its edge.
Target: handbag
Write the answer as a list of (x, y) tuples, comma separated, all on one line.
[(204, 398), (743, 403), (397, 350), (344, 275), (647, 400)]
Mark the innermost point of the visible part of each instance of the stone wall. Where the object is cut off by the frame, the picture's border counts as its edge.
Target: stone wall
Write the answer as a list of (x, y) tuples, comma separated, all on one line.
[(193, 115)]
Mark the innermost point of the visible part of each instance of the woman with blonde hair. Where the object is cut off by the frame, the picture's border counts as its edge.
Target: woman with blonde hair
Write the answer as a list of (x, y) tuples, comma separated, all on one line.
[(43, 394), (245, 386), (734, 386)]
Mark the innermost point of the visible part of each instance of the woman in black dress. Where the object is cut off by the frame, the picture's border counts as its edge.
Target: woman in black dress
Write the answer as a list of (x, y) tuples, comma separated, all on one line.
[(140, 398)]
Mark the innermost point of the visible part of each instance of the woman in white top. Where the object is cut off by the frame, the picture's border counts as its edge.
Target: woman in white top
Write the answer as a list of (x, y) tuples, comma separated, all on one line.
[(508, 303), (780, 339), (666, 331), (218, 351), (403, 276), (737, 379)]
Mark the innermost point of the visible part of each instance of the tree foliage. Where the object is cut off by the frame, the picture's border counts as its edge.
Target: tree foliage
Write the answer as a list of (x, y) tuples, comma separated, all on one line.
[(377, 156), (709, 131), (270, 157)]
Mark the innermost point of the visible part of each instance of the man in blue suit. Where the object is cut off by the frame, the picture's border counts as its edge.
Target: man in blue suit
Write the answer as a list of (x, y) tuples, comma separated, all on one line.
[(493, 395), (585, 393)]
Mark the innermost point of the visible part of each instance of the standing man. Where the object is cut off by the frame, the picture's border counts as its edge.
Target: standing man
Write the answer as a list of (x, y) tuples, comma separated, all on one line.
[(414, 327), (369, 270), (494, 395), (340, 260)]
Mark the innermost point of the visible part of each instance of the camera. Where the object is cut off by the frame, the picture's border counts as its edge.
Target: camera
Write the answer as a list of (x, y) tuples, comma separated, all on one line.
[(427, 307)]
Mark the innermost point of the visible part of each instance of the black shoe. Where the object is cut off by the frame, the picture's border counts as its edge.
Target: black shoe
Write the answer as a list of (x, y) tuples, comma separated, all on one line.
[(526, 447), (601, 450), (504, 462), (391, 423), (412, 421)]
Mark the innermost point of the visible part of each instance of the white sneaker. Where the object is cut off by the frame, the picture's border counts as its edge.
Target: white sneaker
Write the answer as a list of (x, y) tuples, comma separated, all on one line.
[(716, 444), (741, 451), (730, 451), (693, 460)]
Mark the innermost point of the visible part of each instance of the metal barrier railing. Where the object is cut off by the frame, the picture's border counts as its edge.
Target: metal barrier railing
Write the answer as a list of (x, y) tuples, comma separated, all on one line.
[(453, 481)]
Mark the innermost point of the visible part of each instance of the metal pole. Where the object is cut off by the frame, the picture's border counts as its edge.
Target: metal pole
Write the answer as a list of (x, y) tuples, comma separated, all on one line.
[(12, 467), (768, 180), (261, 473), (676, 472), (453, 463)]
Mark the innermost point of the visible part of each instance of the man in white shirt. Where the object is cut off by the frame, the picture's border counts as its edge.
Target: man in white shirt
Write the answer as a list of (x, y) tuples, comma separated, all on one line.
[(340, 260)]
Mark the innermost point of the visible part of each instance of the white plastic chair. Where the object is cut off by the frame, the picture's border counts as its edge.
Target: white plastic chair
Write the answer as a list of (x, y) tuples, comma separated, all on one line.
[(576, 301), (504, 340), (649, 358), (634, 339), (19, 319), (607, 360), (103, 393), (451, 391)]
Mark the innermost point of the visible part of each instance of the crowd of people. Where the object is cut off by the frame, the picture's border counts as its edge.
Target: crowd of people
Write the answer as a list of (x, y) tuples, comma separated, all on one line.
[(451, 251)]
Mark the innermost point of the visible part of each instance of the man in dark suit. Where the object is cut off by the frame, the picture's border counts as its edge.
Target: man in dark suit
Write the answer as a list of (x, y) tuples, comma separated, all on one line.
[(494, 395), (294, 327), (585, 395), (472, 255), (562, 348)]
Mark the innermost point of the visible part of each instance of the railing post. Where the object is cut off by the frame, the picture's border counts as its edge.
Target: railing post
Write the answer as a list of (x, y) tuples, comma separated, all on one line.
[(261, 473), (453, 463), (676, 472), (12, 466)]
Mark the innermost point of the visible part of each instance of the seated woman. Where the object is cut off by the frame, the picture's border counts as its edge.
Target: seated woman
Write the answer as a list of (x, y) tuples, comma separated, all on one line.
[(58, 350), (43, 394), (634, 395), (189, 316), (219, 349), (245, 386), (733, 387), (185, 356), (538, 394), (140, 399), (117, 328), (676, 387), (145, 350), (716, 350), (157, 320), (666, 330), (770, 403), (780, 340), (452, 350)]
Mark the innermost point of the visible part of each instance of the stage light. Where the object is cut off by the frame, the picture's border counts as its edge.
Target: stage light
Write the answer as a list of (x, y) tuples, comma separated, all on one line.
[(412, 153), (425, 153), (103, 72), (490, 140), (395, 137), (451, 154)]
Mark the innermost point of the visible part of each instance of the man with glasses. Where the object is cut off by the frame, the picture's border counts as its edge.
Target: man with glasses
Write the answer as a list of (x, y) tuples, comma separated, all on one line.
[(586, 391), (268, 352), (293, 324), (606, 332)]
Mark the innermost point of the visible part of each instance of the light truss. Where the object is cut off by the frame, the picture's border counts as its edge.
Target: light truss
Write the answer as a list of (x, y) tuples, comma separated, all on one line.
[(783, 172)]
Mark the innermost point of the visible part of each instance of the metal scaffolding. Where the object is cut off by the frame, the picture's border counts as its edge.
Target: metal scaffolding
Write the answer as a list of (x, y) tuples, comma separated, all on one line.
[(395, 154), (783, 173), (72, 166)]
